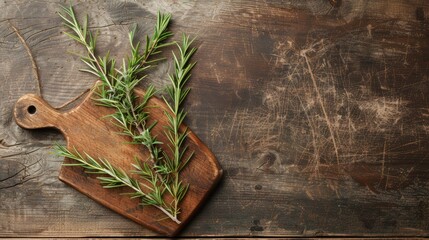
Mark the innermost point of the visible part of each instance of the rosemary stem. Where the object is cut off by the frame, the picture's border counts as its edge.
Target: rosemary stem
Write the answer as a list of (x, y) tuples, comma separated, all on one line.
[(128, 184), (174, 218), (140, 127), (176, 202), (149, 52), (91, 52), (128, 96)]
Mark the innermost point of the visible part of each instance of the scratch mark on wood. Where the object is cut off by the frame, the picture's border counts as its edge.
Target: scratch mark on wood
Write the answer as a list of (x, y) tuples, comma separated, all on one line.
[(30, 55), (218, 78), (313, 134), (322, 105), (383, 160)]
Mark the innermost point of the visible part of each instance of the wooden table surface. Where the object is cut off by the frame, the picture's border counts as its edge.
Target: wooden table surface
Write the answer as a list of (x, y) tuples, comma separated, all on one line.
[(318, 112)]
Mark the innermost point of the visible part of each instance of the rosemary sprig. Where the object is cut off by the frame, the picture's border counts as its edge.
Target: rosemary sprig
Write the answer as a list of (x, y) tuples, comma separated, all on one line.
[(177, 93), (113, 177), (80, 33), (116, 91)]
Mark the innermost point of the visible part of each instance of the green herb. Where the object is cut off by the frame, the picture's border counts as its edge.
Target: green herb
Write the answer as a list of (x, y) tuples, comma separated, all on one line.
[(115, 177), (162, 174), (177, 93)]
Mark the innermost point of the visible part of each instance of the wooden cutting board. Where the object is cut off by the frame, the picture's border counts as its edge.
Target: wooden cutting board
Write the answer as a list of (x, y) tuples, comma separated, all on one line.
[(86, 128)]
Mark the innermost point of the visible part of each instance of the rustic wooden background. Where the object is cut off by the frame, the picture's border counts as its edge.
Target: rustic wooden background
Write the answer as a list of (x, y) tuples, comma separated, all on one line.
[(317, 110)]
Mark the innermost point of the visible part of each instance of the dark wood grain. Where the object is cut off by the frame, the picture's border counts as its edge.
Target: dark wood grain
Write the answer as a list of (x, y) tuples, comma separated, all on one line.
[(88, 131), (271, 125)]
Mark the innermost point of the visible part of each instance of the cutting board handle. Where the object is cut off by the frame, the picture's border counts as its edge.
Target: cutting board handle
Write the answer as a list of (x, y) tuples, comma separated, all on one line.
[(32, 112)]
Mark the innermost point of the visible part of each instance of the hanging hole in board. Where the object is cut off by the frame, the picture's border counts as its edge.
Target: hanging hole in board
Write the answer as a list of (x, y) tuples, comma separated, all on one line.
[(31, 109)]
